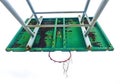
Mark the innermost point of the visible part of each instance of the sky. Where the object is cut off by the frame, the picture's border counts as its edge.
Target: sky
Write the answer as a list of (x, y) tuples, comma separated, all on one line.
[(35, 67)]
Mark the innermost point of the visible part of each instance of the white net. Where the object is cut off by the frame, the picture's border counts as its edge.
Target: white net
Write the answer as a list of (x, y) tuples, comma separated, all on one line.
[(60, 58)]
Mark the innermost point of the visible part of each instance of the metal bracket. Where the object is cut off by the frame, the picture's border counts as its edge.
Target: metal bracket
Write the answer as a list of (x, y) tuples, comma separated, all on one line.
[(31, 40), (86, 38)]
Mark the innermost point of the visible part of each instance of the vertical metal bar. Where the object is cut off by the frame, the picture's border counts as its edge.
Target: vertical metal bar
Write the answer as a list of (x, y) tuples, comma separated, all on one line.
[(14, 13), (99, 11), (86, 38), (54, 34), (30, 5), (64, 39), (32, 39), (85, 10)]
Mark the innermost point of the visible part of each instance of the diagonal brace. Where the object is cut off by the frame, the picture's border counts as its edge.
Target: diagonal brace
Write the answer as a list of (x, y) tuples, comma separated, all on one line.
[(32, 9), (99, 11), (14, 13), (85, 10)]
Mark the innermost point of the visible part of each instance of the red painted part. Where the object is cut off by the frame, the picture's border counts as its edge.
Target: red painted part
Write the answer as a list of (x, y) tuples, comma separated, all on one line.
[(60, 61)]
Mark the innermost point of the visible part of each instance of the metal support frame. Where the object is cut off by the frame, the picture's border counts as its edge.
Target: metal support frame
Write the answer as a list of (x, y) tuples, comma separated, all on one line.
[(30, 5), (86, 38), (81, 20), (31, 40), (99, 11), (14, 13), (85, 10)]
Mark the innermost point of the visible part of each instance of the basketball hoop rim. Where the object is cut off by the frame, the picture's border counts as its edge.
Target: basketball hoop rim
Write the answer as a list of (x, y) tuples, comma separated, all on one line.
[(60, 61)]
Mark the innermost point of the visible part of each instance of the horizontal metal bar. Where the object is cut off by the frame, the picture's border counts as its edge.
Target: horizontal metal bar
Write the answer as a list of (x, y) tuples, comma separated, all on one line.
[(71, 25), (57, 12)]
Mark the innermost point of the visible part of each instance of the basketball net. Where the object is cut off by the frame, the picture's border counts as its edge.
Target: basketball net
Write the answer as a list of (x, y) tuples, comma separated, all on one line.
[(62, 59)]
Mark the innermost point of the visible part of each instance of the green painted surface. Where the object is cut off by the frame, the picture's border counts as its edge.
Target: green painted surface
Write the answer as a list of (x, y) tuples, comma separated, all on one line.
[(61, 38)]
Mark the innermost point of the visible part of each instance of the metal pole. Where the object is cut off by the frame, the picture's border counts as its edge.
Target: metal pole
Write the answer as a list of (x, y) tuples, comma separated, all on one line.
[(57, 12), (99, 11), (30, 5), (85, 10), (14, 13)]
